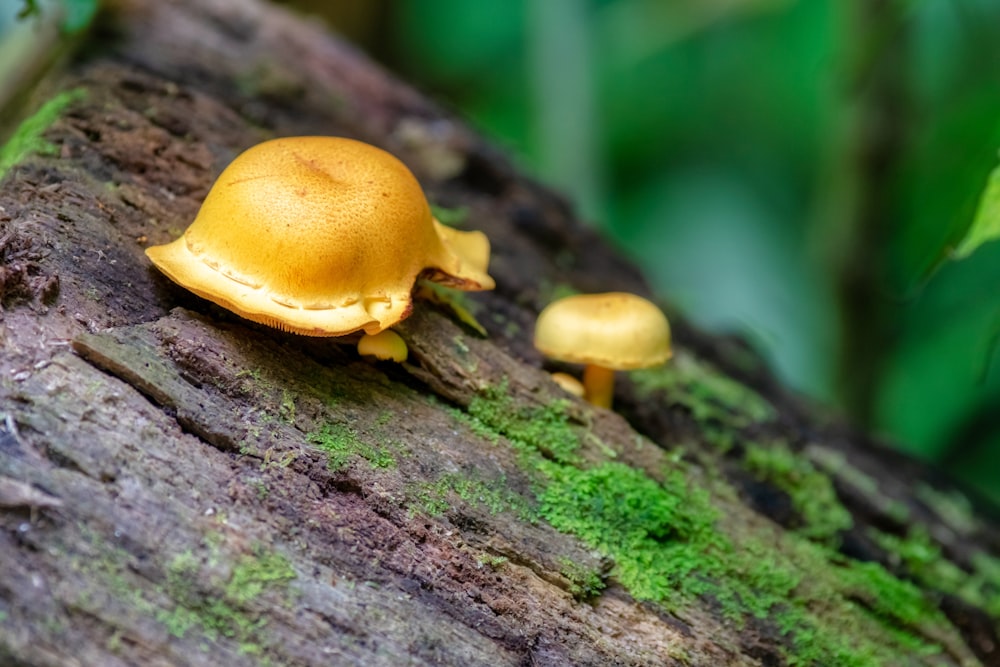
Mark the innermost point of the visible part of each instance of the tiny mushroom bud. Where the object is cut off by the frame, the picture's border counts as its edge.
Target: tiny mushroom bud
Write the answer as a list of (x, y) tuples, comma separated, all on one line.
[(606, 332), (384, 346), (569, 384), (321, 236)]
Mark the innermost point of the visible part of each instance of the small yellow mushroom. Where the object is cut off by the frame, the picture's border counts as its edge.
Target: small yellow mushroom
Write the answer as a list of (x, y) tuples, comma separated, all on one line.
[(606, 332), (385, 346), (569, 384), (321, 236)]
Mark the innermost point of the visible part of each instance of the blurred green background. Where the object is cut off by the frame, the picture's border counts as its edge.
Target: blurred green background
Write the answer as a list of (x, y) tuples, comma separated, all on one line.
[(792, 171)]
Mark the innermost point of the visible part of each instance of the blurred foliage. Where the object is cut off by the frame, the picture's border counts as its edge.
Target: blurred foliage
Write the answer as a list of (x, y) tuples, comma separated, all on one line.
[(33, 33), (29, 8), (797, 171), (985, 226), (75, 15)]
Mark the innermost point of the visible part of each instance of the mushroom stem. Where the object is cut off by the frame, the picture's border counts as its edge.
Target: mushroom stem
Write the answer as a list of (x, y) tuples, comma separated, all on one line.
[(598, 385)]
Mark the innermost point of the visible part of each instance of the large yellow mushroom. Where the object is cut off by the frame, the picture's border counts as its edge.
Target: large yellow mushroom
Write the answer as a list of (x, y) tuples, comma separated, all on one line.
[(322, 236), (606, 332)]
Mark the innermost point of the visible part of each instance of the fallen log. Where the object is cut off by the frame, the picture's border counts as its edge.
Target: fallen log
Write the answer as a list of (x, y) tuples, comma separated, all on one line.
[(180, 486)]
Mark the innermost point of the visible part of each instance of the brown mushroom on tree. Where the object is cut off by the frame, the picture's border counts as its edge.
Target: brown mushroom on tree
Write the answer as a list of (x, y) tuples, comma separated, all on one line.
[(321, 236), (606, 332)]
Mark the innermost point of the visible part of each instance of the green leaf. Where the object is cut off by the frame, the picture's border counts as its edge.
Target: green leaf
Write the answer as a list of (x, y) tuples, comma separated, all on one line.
[(986, 224), (30, 8)]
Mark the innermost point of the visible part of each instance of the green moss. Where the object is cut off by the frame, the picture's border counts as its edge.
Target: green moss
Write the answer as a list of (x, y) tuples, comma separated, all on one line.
[(221, 613), (287, 408), (709, 395), (254, 574), (477, 426), (835, 464), (659, 536), (427, 498), (811, 491), (342, 443), (901, 608), (199, 597), (55, 626), (983, 587), (282, 460), (252, 381), (491, 561), (663, 543), (495, 496), (923, 560), (101, 562), (435, 498), (585, 583), (543, 430), (181, 575), (662, 540), (114, 642), (952, 506), (834, 611), (29, 138)]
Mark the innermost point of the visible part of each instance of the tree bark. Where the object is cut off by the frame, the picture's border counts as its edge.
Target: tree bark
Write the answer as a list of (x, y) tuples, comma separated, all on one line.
[(181, 487)]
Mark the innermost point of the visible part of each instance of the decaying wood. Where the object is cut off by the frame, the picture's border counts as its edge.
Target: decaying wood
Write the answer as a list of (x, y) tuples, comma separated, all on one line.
[(178, 486)]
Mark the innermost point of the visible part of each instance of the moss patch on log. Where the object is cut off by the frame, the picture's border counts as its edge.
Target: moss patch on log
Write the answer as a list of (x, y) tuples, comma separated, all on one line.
[(535, 432), (706, 393), (922, 557), (343, 443), (200, 591), (221, 611), (664, 539), (811, 491), (435, 498)]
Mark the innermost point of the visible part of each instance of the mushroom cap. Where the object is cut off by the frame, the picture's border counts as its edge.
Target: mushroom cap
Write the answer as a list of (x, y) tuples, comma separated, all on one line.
[(615, 330), (321, 236), (569, 384)]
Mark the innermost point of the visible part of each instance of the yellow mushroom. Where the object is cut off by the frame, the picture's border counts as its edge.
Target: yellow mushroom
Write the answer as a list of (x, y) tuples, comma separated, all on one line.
[(569, 384), (606, 332), (321, 236), (385, 346)]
